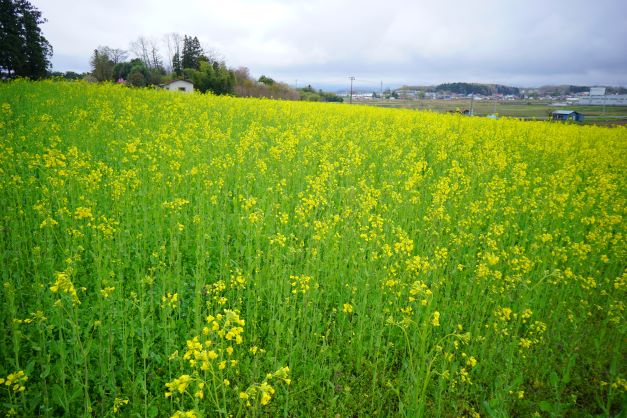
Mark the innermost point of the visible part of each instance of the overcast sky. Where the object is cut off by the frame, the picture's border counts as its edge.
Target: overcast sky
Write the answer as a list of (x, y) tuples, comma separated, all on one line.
[(513, 42)]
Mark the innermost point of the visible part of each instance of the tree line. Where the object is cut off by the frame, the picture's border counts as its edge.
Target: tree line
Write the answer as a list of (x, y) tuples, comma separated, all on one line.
[(186, 59), (25, 52), (476, 88)]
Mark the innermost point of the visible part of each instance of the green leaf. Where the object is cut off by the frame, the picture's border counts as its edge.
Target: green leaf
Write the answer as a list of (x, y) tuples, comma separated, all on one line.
[(58, 396), (546, 406), (488, 409), (45, 371), (553, 379)]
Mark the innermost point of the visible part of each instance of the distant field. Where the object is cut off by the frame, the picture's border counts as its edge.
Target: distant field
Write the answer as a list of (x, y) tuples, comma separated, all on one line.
[(165, 254), (538, 110)]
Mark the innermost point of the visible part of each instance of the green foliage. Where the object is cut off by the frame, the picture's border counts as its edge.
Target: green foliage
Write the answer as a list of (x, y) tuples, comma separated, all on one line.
[(400, 263), (68, 75), (192, 53), (329, 97), (206, 74), (177, 66), (137, 76), (102, 65), (474, 88), (308, 94), (123, 69), (246, 86), (214, 77), (24, 51), (266, 80)]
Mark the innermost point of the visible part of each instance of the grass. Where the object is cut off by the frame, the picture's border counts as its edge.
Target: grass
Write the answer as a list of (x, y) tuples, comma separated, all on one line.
[(523, 109), (190, 255)]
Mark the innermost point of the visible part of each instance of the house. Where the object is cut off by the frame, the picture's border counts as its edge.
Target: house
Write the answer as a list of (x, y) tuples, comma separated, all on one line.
[(567, 115), (179, 85)]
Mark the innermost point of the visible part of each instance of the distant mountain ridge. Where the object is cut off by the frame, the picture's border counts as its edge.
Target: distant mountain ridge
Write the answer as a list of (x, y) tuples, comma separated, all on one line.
[(491, 89)]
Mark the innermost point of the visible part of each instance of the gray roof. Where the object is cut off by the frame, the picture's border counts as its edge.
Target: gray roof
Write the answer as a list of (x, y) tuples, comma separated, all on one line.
[(564, 112), (174, 81)]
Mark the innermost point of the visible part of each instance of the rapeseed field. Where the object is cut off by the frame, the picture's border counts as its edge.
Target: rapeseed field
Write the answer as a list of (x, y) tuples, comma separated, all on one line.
[(183, 255)]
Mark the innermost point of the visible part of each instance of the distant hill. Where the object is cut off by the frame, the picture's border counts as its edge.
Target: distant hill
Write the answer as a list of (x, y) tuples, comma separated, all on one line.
[(491, 89), (467, 88), (564, 90)]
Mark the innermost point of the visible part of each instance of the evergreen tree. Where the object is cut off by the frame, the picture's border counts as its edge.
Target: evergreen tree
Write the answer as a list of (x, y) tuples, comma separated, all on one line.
[(192, 53), (24, 52), (176, 64)]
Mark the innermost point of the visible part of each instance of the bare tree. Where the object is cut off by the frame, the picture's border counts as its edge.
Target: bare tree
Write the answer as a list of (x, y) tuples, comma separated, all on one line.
[(155, 56), (141, 48), (117, 55), (212, 54), (147, 50), (174, 44)]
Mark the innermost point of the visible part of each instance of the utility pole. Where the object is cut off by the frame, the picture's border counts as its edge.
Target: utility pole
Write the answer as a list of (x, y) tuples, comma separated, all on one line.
[(381, 91), (472, 102), (351, 96)]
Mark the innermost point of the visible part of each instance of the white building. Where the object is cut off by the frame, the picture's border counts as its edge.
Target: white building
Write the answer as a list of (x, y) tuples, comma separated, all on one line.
[(179, 85), (598, 97), (610, 100)]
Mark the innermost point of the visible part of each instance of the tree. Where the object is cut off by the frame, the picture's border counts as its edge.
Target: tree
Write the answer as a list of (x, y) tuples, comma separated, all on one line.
[(102, 65), (24, 51), (214, 77), (173, 43), (122, 70), (177, 67), (155, 58), (140, 48), (117, 55), (192, 53), (137, 78), (266, 80)]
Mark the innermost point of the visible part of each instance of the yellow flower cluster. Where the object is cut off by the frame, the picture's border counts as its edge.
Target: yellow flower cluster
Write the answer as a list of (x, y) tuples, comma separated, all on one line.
[(170, 300), (118, 403), (213, 360), (63, 284), (37, 316), (300, 283), (15, 381), (262, 393), (175, 204), (106, 292), (185, 414), (178, 385), (435, 319)]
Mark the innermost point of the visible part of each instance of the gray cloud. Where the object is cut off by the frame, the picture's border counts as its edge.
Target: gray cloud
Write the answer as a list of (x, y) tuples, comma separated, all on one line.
[(399, 41)]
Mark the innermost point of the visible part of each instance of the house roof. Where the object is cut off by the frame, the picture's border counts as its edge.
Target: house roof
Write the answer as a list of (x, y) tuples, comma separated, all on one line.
[(564, 112), (174, 81)]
